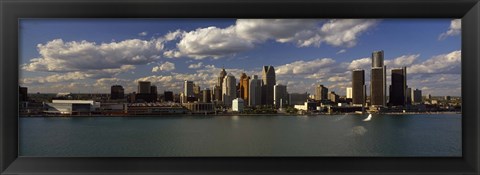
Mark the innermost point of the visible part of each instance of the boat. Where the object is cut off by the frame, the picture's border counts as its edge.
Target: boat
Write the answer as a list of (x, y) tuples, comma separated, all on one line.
[(368, 118)]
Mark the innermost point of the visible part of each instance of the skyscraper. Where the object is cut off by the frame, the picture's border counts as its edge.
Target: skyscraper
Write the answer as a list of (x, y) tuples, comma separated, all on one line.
[(378, 92), (196, 91), (153, 93), (244, 81), (280, 95), (398, 87), (268, 83), (377, 58), (408, 96), (332, 96), (217, 93), (321, 92), (358, 87), (255, 91), (207, 97), (229, 90), (217, 89), (378, 82), (416, 96), (188, 94), (143, 87), (349, 92), (168, 96), (117, 92)]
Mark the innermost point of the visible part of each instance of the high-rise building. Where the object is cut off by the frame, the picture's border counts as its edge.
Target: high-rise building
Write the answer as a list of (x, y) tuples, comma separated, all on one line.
[(417, 96), (297, 98), (378, 81), (238, 104), (398, 87), (217, 93), (378, 91), (408, 96), (255, 91), (143, 87), (321, 92), (358, 87), (168, 96), (117, 92), (377, 58), (144, 93), (196, 91), (23, 93), (244, 81), (153, 93), (229, 90), (280, 95), (268, 83), (333, 97), (221, 76), (217, 89), (188, 94), (207, 96), (349, 92)]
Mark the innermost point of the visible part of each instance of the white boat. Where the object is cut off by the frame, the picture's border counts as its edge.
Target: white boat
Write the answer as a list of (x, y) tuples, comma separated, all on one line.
[(368, 118)]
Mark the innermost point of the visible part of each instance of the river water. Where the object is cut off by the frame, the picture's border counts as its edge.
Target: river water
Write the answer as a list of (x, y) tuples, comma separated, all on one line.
[(192, 136)]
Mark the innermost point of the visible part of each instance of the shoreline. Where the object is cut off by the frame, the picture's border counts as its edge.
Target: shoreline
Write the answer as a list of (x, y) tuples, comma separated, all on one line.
[(231, 114)]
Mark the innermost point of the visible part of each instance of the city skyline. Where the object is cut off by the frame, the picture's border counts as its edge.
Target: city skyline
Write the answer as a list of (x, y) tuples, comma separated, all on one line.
[(65, 63)]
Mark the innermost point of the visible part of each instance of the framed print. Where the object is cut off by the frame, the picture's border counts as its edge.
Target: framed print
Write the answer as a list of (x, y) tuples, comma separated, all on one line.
[(239, 86)]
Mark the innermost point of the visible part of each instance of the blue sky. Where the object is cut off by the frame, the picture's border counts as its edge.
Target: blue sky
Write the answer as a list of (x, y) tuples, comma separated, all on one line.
[(90, 55)]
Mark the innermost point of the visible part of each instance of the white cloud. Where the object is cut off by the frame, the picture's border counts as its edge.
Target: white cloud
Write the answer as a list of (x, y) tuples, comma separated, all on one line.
[(454, 29), (342, 51), (304, 67), (195, 66), (449, 63), (60, 56), (165, 67), (213, 42), (362, 63), (170, 36), (143, 34)]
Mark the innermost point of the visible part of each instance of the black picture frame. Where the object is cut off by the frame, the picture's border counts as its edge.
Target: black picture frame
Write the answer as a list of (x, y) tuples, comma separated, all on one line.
[(12, 10)]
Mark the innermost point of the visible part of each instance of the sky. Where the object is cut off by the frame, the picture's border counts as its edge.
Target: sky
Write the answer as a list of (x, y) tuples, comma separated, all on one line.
[(91, 55)]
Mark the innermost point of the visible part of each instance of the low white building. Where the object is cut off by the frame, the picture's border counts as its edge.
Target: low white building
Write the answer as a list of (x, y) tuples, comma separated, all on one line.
[(237, 105), (71, 106)]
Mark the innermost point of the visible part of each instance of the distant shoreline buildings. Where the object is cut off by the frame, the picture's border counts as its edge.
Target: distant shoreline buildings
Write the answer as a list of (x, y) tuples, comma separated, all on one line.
[(254, 95)]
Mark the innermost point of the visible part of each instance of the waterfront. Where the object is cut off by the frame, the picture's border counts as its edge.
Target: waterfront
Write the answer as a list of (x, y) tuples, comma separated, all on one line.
[(184, 136)]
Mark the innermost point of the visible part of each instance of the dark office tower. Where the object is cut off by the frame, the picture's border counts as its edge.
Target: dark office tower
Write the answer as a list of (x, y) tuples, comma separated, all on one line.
[(321, 92), (417, 96), (358, 87), (143, 87), (378, 87), (207, 95), (398, 87), (168, 96), (244, 81), (117, 92), (222, 75), (377, 59), (217, 89), (23, 93), (153, 93), (217, 93), (408, 96), (268, 83)]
